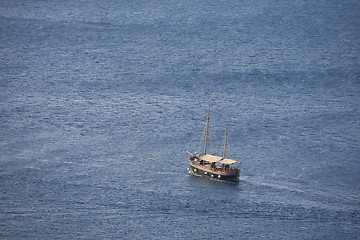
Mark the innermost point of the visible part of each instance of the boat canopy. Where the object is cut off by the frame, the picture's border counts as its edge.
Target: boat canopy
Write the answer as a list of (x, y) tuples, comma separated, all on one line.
[(213, 158), (228, 161), (210, 158)]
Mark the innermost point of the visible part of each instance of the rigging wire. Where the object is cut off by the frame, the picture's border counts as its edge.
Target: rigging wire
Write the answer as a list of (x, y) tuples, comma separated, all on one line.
[(228, 140), (211, 142), (201, 140), (228, 148)]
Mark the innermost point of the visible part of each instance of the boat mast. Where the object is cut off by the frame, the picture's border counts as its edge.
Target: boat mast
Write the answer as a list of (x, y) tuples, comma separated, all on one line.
[(207, 129), (226, 133)]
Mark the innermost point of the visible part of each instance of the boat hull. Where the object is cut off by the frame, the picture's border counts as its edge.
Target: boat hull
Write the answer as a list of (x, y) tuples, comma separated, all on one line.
[(207, 172)]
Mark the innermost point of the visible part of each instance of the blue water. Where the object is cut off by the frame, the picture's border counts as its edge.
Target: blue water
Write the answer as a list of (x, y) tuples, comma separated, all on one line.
[(100, 99)]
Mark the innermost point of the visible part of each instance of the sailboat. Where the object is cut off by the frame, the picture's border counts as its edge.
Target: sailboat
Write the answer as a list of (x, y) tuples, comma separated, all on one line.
[(214, 166)]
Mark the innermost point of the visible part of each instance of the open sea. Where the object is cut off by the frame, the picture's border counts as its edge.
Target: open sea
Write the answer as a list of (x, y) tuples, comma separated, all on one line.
[(100, 99)]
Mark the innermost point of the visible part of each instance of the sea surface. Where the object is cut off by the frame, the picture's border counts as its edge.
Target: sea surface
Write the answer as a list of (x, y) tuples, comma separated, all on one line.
[(100, 99)]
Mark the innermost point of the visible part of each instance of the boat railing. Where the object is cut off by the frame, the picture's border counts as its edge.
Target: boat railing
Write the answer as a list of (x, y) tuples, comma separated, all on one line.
[(217, 168)]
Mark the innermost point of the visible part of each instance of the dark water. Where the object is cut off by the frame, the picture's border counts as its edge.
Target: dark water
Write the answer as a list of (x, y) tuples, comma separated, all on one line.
[(100, 99)]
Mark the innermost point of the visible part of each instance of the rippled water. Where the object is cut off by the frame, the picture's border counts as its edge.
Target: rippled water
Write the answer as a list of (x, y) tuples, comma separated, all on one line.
[(99, 101)]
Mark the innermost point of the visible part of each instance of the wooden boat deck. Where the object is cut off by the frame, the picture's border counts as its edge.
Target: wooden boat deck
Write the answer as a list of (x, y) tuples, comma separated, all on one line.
[(213, 169)]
